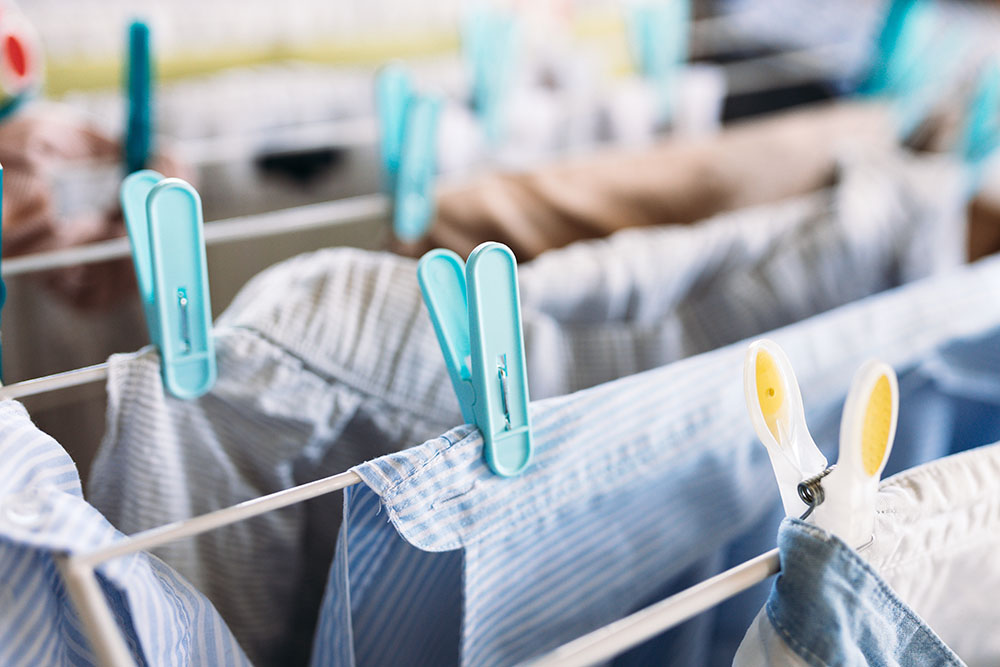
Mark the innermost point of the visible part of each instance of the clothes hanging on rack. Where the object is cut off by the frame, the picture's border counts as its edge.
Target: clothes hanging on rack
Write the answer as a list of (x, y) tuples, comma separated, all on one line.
[(42, 515), (678, 181), (573, 540), (329, 360), (949, 401), (918, 594)]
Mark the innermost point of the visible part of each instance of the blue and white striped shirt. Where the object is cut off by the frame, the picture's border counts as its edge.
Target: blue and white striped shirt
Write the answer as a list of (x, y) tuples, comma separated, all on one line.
[(166, 621), (329, 359), (639, 487)]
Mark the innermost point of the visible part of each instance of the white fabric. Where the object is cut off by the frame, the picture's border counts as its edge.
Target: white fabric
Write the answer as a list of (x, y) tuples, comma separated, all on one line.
[(936, 545)]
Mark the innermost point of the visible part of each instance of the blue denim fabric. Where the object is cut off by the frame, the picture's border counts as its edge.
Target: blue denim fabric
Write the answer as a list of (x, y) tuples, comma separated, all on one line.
[(831, 608), (949, 402)]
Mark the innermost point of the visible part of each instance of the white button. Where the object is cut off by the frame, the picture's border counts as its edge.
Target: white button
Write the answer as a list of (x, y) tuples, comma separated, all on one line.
[(27, 509)]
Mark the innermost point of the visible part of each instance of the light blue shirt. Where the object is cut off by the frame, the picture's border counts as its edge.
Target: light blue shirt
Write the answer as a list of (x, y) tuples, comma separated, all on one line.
[(166, 621), (330, 359), (640, 487)]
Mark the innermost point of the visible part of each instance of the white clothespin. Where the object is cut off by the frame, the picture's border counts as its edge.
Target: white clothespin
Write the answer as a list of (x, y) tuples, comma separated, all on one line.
[(840, 498), (867, 431), (775, 405)]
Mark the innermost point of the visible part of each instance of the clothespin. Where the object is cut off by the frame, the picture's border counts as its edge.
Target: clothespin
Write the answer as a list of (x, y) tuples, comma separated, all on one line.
[(476, 312), (912, 59), (21, 62), (981, 131), (867, 432), (139, 87), (489, 42), (164, 221), (658, 34), (408, 124), (775, 405), (894, 47), (840, 498)]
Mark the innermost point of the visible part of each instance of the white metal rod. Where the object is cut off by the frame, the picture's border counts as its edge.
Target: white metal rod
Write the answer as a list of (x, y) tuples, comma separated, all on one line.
[(74, 378), (149, 539), (299, 218), (105, 638), (614, 639)]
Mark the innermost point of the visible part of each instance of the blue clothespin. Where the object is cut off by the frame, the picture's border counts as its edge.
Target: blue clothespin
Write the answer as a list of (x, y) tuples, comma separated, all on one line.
[(981, 131), (659, 37), (893, 47), (165, 227), (912, 59), (408, 124), (139, 126), (393, 90), (489, 43), (476, 311)]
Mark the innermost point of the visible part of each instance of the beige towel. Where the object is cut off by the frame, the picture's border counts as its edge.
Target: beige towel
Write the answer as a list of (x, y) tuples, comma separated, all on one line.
[(677, 181)]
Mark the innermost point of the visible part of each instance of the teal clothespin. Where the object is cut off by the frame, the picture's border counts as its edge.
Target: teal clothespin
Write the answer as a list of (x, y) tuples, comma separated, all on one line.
[(658, 33), (981, 132), (414, 194), (912, 59), (164, 222), (476, 312), (489, 43), (139, 126), (408, 124), (893, 47), (393, 90)]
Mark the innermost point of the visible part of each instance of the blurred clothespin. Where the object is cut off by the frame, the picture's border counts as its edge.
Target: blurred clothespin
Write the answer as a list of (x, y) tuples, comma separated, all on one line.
[(165, 227), (476, 312), (138, 142), (408, 123), (912, 60), (490, 38), (658, 34), (840, 498), (981, 130)]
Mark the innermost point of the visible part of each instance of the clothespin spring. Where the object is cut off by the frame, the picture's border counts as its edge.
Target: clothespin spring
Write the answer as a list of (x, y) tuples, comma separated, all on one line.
[(812, 494), (502, 374), (185, 325), (811, 491)]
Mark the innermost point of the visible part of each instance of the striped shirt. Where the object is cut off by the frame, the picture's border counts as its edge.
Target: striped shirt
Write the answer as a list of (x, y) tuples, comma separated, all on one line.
[(43, 513), (636, 485), (329, 359)]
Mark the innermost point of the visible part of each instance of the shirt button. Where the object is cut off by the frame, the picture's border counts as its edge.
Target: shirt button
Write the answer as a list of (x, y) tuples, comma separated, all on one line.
[(26, 509)]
